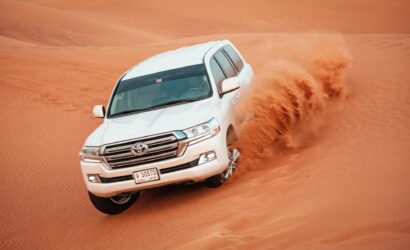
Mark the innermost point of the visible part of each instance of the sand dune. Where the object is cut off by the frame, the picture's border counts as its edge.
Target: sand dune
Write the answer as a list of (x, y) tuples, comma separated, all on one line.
[(341, 184), (43, 25), (171, 17)]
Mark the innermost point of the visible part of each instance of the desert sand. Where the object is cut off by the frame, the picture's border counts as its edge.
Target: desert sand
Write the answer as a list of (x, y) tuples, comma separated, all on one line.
[(335, 170)]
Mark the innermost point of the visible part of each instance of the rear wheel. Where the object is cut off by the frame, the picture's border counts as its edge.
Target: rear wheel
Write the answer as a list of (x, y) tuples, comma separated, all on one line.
[(115, 204)]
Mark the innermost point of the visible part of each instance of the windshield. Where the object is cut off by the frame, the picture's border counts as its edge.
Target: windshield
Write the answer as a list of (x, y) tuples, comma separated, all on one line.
[(160, 89)]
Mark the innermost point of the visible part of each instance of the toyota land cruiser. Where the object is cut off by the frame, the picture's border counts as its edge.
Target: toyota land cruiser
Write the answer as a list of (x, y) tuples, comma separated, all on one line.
[(170, 120)]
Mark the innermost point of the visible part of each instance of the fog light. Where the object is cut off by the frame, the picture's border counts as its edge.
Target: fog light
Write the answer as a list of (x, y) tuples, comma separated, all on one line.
[(206, 157), (93, 178)]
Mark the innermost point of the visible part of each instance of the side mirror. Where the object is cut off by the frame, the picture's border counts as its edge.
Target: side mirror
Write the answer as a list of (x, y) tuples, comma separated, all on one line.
[(99, 111), (230, 84)]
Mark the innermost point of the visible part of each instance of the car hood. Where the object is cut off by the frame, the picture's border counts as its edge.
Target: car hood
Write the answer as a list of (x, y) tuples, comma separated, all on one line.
[(153, 122)]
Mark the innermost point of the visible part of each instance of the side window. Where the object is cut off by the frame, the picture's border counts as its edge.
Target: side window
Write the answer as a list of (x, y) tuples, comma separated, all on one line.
[(217, 73), (226, 65), (236, 59)]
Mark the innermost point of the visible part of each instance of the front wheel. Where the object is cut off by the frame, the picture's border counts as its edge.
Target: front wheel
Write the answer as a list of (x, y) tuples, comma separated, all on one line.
[(219, 179), (215, 181), (113, 205)]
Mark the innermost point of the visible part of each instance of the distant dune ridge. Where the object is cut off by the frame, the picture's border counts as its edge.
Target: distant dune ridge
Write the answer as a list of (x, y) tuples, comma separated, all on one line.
[(324, 136)]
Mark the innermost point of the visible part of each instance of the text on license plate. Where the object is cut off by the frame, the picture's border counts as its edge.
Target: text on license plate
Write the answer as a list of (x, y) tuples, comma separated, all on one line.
[(146, 175)]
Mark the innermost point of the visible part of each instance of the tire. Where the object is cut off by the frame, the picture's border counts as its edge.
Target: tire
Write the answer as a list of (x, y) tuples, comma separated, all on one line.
[(214, 181), (219, 179), (113, 205)]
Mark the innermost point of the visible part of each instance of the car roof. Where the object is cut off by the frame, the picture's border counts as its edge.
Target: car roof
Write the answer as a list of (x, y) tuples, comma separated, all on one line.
[(172, 59)]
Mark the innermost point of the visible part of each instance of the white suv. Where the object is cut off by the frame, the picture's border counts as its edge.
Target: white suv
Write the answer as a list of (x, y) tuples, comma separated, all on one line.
[(170, 120)]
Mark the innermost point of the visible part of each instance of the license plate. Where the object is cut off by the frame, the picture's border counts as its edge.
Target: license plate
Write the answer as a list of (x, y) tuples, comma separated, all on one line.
[(146, 175)]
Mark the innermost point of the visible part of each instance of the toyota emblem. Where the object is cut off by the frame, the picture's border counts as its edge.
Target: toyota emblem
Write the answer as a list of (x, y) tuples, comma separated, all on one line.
[(139, 149)]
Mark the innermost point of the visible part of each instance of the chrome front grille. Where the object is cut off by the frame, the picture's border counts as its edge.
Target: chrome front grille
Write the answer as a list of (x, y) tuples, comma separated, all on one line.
[(160, 147)]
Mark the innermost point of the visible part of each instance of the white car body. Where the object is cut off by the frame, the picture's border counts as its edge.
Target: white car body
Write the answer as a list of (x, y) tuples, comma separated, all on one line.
[(168, 120)]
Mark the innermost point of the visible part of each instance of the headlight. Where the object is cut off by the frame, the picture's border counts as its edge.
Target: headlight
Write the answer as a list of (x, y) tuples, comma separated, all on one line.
[(202, 131), (89, 153)]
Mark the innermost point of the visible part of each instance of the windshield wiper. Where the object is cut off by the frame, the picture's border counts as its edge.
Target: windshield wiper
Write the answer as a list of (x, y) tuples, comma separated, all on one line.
[(175, 102), (155, 106), (129, 111)]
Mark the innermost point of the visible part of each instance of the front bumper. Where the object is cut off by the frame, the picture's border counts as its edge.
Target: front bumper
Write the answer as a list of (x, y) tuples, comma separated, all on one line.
[(192, 174)]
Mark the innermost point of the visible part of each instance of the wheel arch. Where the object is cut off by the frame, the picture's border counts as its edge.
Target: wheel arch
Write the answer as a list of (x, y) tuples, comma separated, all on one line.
[(231, 134)]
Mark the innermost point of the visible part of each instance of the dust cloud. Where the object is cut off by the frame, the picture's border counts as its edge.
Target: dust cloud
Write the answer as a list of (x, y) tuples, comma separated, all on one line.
[(293, 86)]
